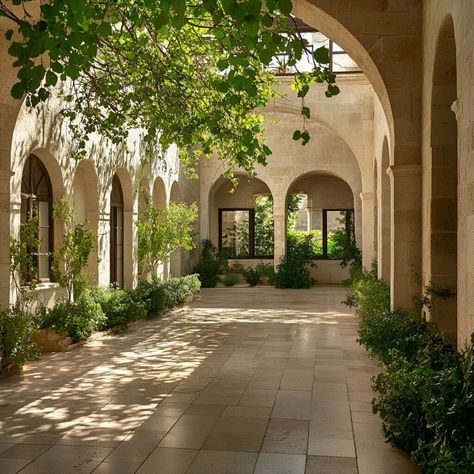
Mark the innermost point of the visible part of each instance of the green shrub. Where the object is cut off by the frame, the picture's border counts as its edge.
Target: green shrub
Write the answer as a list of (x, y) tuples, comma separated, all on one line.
[(17, 329), (79, 319), (425, 397), (294, 271), (252, 275), (151, 295), (295, 238), (368, 294), (210, 265), (119, 307), (230, 280), (267, 270)]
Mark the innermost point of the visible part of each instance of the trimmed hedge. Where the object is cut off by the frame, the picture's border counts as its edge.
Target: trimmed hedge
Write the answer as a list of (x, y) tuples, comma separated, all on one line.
[(101, 308), (425, 397)]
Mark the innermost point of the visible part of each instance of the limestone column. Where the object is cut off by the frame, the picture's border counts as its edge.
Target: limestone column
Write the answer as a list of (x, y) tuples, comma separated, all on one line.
[(15, 223), (405, 234), (279, 222), (103, 251), (365, 216)]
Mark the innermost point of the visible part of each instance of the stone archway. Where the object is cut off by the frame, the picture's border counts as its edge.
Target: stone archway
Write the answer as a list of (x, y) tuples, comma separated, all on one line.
[(443, 207)]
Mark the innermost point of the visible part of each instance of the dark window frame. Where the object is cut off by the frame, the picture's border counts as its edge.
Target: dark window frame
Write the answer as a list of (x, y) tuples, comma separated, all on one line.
[(29, 197), (350, 229), (115, 207), (251, 211)]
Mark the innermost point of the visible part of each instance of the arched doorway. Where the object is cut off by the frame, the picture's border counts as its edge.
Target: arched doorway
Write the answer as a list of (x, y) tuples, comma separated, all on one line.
[(241, 219), (443, 210), (117, 233), (328, 201)]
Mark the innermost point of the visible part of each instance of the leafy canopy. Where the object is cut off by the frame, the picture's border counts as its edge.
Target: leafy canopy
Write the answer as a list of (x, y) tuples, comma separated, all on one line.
[(190, 72)]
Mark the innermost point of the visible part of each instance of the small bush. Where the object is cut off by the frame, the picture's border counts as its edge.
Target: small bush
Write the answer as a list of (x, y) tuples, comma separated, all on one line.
[(230, 280), (119, 307), (294, 271), (17, 329), (152, 295), (79, 319), (252, 275), (210, 265), (267, 270)]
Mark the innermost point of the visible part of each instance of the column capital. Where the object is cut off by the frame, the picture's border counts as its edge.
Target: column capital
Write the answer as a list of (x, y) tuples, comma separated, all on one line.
[(404, 170)]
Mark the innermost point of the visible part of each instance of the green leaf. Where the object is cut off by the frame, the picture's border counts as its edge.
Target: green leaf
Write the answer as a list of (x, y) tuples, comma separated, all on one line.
[(222, 64), (321, 55), (179, 6), (285, 6), (9, 34), (51, 78), (305, 111), (104, 29), (296, 135), (17, 90)]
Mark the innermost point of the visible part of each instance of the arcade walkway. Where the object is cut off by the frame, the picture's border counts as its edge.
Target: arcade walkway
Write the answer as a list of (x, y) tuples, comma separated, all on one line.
[(245, 380)]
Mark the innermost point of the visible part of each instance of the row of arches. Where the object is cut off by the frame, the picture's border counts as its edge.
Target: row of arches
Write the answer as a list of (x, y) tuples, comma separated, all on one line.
[(111, 208)]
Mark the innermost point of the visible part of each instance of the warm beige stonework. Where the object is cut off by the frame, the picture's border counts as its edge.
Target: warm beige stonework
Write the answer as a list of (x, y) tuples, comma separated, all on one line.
[(377, 136), (245, 380)]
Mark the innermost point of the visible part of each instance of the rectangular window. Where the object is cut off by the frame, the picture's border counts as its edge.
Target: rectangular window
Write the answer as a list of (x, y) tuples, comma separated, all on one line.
[(338, 231), (246, 233)]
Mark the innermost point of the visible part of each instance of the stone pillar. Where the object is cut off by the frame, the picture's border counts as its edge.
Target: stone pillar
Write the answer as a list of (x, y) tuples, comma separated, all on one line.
[(367, 220), (103, 250), (405, 239), (383, 231), (279, 219), (15, 223)]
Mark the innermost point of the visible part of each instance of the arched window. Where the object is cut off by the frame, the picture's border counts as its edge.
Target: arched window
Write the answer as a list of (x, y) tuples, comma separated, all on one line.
[(36, 204), (116, 233)]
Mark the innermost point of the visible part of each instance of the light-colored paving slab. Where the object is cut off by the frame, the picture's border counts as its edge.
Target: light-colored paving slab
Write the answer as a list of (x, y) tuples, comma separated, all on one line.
[(243, 380)]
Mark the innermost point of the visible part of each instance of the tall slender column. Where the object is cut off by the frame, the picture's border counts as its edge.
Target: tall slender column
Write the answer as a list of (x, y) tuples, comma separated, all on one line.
[(279, 219), (406, 234), (368, 229)]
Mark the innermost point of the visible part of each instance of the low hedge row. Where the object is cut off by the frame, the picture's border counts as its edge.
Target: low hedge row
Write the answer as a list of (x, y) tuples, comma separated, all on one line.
[(97, 308), (425, 396)]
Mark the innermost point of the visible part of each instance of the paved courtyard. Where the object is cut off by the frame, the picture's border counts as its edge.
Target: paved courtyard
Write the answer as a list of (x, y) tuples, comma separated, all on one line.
[(244, 380)]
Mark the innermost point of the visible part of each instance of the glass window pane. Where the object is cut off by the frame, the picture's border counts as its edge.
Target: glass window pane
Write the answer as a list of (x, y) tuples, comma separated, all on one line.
[(344, 63), (263, 225), (336, 233), (43, 267), (235, 233), (304, 224)]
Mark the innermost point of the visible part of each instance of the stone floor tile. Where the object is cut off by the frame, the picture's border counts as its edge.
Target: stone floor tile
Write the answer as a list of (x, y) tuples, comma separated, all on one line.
[(223, 462), (168, 461), (121, 467), (258, 398), (24, 451), (273, 463), (136, 447), (292, 404), (237, 433), (5, 446), (250, 412), (297, 379), (11, 466), (330, 465), (331, 447), (389, 461), (189, 432), (211, 410), (286, 436)]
